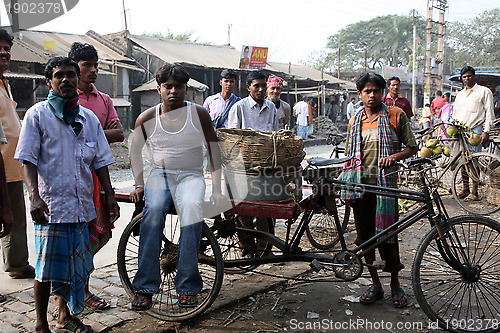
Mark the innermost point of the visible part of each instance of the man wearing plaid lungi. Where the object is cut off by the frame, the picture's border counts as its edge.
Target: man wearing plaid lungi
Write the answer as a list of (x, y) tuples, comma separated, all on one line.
[(60, 142)]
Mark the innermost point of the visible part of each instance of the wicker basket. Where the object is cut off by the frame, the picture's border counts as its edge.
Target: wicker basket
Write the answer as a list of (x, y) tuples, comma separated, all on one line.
[(260, 148)]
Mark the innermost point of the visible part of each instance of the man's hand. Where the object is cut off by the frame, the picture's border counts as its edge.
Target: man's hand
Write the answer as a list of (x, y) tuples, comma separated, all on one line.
[(39, 211), (6, 221), (112, 207), (112, 124), (386, 162), (137, 194), (485, 138), (219, 200)]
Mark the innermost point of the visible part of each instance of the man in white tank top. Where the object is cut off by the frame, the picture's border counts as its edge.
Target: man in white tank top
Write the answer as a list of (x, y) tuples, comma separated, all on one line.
[(176, 131)]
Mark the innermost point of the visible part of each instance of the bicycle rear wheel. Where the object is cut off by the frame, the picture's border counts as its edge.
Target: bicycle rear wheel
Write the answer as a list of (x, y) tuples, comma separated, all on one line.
[(165, 306), (230, 245), (483, 171), (321, 230), (467, 300)]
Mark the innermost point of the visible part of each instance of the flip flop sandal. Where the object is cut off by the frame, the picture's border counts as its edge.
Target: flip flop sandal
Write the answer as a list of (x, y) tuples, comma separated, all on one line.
[(397, 294), (74, 325), (371, 295), (188, 301), (142, 302), (2, 298), (95, 302), (28, 273)]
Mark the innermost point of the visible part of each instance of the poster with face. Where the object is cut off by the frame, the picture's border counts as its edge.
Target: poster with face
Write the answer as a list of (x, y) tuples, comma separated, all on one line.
[(253, 57)]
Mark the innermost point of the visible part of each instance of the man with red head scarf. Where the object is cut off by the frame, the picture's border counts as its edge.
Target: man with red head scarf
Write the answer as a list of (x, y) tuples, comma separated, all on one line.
[(274, 89)]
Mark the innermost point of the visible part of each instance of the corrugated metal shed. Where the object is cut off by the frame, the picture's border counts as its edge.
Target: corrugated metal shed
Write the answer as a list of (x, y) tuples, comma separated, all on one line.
[(12, 75), (197, 54), (218, 56), (302, 71), (151, 85), (22, 52), (34, 41)]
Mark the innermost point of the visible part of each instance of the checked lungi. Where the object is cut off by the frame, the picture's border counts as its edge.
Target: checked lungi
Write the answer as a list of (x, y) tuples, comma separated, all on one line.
[(64, 258)]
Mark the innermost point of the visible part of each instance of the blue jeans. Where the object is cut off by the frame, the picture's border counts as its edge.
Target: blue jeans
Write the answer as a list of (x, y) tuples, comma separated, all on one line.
[(302, 132), (186, 190)]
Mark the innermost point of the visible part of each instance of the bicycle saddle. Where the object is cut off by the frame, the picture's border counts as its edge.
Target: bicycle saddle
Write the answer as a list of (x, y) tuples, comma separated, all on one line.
[(321, 161)]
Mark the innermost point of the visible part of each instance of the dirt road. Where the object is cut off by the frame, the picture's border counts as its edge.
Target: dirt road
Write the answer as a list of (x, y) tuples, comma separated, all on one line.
[(305, 306)]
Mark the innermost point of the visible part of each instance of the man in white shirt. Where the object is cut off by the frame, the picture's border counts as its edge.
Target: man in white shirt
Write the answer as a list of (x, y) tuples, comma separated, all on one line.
[(301, 111), (473, 107), (350, 109), (254, 111)]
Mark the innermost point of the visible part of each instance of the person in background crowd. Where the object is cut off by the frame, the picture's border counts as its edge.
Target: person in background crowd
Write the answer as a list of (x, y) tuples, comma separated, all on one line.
[(257, 113), (436, 106), (376, 134), (301, 111), (60, 143), (254, 111), (274, 89), (218, 105), (474, 108), (350, 109), (395, 98), (310, 119), (496, 99), (426, 116), (15, 244), (85, 55)]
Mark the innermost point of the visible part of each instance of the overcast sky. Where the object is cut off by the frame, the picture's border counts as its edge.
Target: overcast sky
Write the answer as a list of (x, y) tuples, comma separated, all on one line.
[(291, 29)]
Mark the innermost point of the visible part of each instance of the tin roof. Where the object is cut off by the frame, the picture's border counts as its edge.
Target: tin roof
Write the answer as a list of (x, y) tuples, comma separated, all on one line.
[(151, 85), (30, 76), (40, 46)]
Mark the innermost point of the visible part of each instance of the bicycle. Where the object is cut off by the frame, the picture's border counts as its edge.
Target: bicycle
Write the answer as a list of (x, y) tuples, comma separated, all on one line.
[(455, 274), (481, 167)]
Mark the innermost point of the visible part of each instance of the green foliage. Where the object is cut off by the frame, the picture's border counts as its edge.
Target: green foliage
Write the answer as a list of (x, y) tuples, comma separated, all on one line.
[(186, 36), (474, 42), (387, 40), (383, 40)]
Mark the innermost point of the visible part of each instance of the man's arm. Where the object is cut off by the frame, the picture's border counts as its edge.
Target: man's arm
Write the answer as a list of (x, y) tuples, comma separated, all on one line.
[(110, 203), (233, 118), (213, 152), (490, 116), (5, 211), (38, 208), (113, 128), (138, 141), (114, 131)]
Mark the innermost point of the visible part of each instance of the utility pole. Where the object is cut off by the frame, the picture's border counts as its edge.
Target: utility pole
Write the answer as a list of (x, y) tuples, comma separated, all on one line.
[(428, 55), (125, 15), (433, 80), (413, 81), (440, 46), (338, 57), (229, 34)]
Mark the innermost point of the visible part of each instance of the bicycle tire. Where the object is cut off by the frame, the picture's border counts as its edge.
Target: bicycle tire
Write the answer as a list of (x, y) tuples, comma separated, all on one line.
[(481, 168), (321, 229), (455, 301), (231, 248), (165, 305)]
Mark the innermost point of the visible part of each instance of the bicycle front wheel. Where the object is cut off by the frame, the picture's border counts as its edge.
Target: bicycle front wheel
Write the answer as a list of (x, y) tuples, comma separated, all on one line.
[(165, 305), (476, 184), (467, 299)]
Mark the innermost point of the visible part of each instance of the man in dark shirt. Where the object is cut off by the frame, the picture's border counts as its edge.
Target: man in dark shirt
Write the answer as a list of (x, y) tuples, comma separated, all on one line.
[(395, 98)]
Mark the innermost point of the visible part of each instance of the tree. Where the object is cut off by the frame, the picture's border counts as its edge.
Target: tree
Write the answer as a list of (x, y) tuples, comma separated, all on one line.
[(474, 42), (186, 36), (384, 40)]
